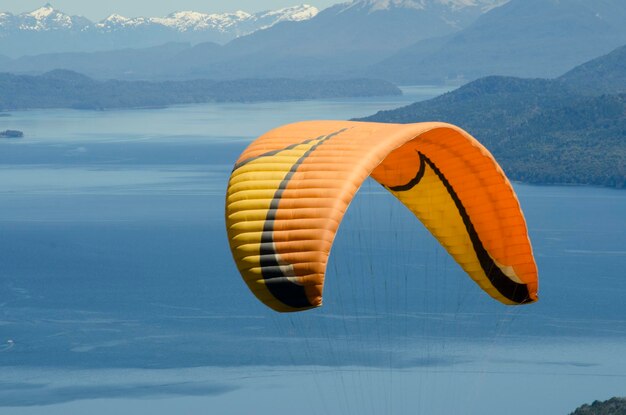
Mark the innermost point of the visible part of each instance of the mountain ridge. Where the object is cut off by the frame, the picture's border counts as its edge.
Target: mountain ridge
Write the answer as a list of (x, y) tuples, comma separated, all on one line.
[(403, 41), (524, 38), (67, 89)]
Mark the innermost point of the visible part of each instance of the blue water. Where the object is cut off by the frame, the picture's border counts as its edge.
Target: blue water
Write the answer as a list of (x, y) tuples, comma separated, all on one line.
[(118, 293)]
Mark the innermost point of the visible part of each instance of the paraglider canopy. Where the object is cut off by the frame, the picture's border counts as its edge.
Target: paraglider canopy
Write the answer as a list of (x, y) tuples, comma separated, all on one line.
[(290, 188)]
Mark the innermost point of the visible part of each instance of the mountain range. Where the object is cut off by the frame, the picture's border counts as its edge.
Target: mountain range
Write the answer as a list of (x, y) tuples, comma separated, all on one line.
[(338, 41), (47, 30), (403, 41)]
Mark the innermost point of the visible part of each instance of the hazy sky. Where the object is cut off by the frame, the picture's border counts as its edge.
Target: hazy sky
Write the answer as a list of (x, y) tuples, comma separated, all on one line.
[(99, 9)]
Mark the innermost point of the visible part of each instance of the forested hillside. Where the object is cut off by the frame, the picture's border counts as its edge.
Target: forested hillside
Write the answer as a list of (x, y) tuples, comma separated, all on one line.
[(67, 89), (604, 75), (614, 406), (542, 130)]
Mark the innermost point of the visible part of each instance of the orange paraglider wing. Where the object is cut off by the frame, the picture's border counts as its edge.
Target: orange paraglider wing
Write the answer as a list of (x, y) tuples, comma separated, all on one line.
[(290, 188)]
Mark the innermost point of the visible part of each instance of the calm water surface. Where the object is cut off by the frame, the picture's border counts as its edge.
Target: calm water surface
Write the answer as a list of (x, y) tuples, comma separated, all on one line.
[(118, 293)]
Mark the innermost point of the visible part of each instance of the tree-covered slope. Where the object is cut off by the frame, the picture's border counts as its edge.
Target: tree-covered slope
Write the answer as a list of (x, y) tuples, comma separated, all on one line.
[(614, 406), (541, 131), (603, 75)]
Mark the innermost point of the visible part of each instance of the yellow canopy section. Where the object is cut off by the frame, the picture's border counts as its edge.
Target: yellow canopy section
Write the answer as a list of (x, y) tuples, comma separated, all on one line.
[(291, 187)]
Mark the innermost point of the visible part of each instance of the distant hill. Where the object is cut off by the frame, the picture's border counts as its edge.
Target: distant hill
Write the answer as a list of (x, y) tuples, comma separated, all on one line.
[(614, 406), (540, 130), (48, 30), (604, 75), (119, 64), (524, 38), (67, 89)]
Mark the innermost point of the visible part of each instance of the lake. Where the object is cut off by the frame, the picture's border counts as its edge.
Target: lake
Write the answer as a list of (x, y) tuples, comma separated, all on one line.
[(118, 293)]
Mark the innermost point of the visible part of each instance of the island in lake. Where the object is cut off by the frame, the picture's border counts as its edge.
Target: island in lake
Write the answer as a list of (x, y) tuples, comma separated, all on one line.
[(11, 134)]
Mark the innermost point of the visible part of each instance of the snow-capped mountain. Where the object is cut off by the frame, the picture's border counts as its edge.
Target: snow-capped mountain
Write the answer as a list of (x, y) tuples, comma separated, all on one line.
[(48, 30), (374, 5), (47, 18), (185, 21)]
